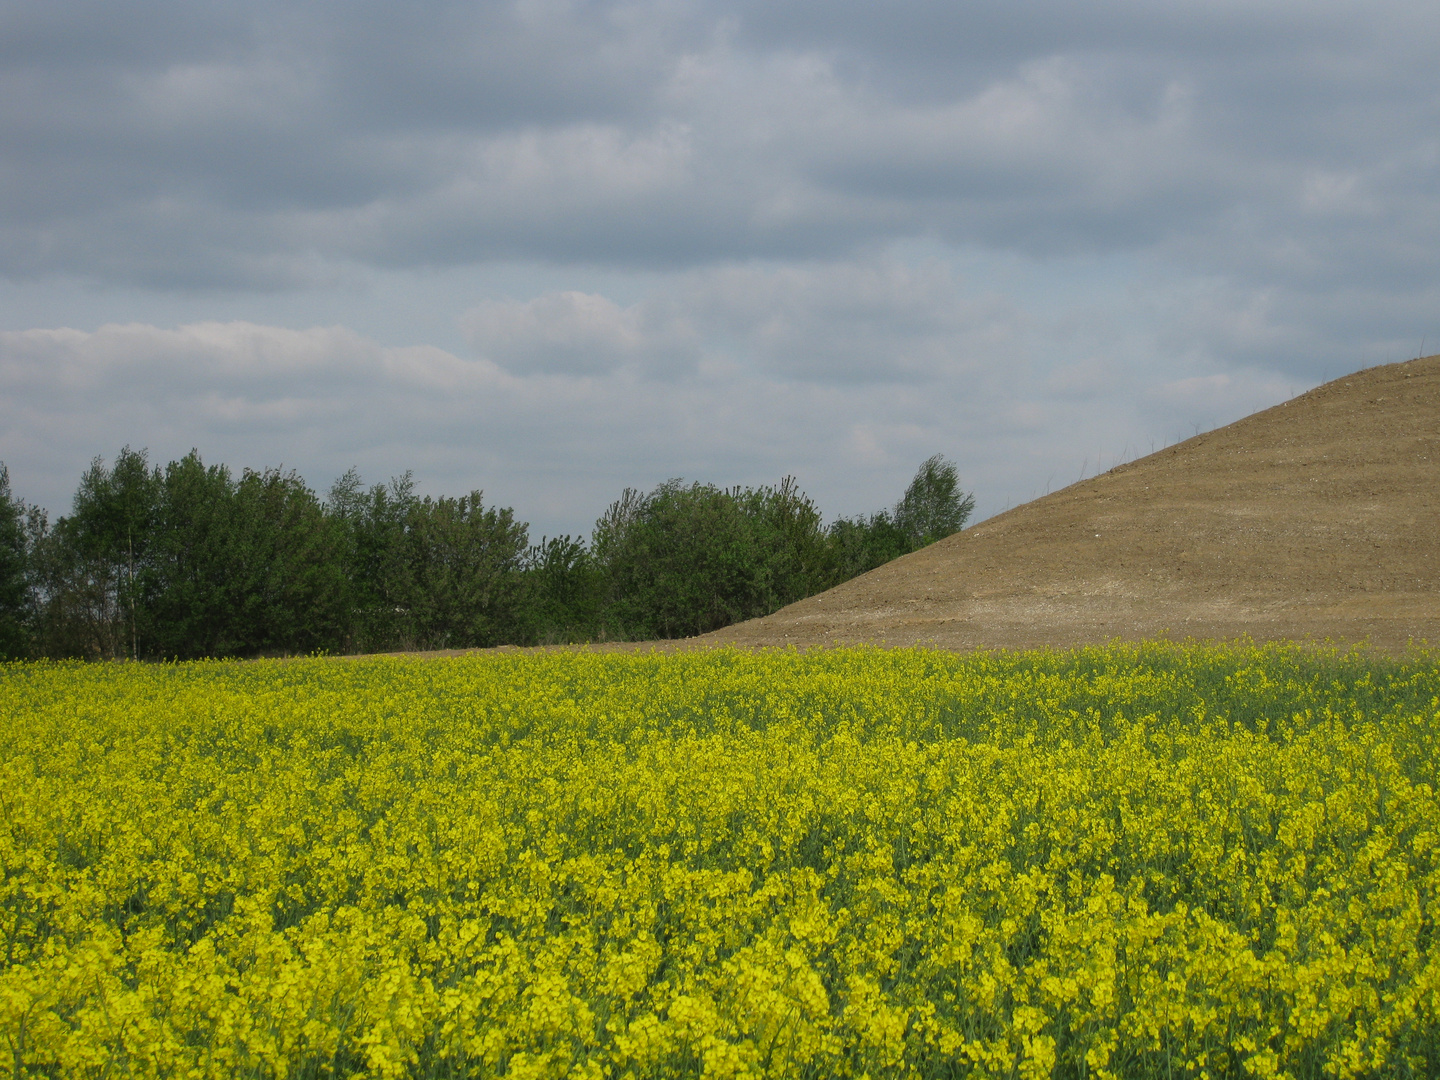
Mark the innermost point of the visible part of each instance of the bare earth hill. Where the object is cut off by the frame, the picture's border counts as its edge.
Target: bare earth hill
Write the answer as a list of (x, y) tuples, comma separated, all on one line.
[(1318, 519)]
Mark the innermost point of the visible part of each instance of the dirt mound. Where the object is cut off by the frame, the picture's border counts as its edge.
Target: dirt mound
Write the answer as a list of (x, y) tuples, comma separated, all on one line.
[(1317, 519)]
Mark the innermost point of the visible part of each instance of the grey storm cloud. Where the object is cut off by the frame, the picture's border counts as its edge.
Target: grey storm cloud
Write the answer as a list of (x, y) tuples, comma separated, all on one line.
[(250, 144)]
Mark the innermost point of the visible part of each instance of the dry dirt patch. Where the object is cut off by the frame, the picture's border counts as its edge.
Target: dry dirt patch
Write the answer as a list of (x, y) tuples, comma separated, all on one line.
[(1318, 519)]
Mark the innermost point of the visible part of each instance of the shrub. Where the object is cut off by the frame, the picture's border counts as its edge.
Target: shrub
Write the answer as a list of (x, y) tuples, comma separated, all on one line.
[(684, 560)]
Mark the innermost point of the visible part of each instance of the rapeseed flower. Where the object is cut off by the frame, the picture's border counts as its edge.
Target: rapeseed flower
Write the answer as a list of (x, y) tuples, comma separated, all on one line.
[(1135, 861)]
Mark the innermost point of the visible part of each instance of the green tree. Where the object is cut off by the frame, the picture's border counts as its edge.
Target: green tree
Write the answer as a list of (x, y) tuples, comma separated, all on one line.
[(562, 593), (684, 560), (15, 594), (290, 578), (464, 561), (858, 545), (792, 544), (375, 553), (191, 590), (428, 573), (933, 506), (243, 567), (90, 564)]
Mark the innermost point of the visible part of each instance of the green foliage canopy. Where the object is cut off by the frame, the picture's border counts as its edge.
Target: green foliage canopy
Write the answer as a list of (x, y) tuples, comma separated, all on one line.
[(933, 506), (14, 588), (190, 560), (684, 560)]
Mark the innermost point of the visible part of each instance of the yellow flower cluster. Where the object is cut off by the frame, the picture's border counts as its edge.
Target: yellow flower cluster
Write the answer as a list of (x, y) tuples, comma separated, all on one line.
[(1127, 862)]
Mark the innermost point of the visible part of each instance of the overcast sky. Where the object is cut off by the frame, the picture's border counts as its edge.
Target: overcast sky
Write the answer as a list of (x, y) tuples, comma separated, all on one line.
[(553, 249)]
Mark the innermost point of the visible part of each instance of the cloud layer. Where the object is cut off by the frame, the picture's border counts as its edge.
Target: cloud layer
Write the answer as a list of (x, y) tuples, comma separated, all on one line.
[(846, 376), (201, 144), (711, 237)]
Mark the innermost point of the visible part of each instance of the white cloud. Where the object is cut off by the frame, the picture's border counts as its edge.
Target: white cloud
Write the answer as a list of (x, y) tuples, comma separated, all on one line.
[(1054, 131), (577, 333), (845, 375), (876, 322), (849, 322)]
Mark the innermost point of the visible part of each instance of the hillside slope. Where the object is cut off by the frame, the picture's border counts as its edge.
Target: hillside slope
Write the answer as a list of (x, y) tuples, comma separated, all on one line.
[(1318, 519)]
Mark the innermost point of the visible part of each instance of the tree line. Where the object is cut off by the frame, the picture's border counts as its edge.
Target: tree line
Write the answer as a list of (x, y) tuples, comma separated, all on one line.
[(193, 560)]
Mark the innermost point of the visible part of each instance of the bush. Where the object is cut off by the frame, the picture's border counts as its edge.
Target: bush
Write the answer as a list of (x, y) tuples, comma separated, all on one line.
[(562, 594), (685, 560)]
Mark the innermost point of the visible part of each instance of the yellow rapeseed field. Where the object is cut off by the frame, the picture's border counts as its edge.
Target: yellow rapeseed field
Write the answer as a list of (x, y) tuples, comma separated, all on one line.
[(1140, 861)]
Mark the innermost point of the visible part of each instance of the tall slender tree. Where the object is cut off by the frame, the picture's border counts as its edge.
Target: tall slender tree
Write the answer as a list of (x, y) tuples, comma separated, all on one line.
[(465, 560), (243, 567), (374, 550), (91, 563), (933, 506), (15, 602)]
